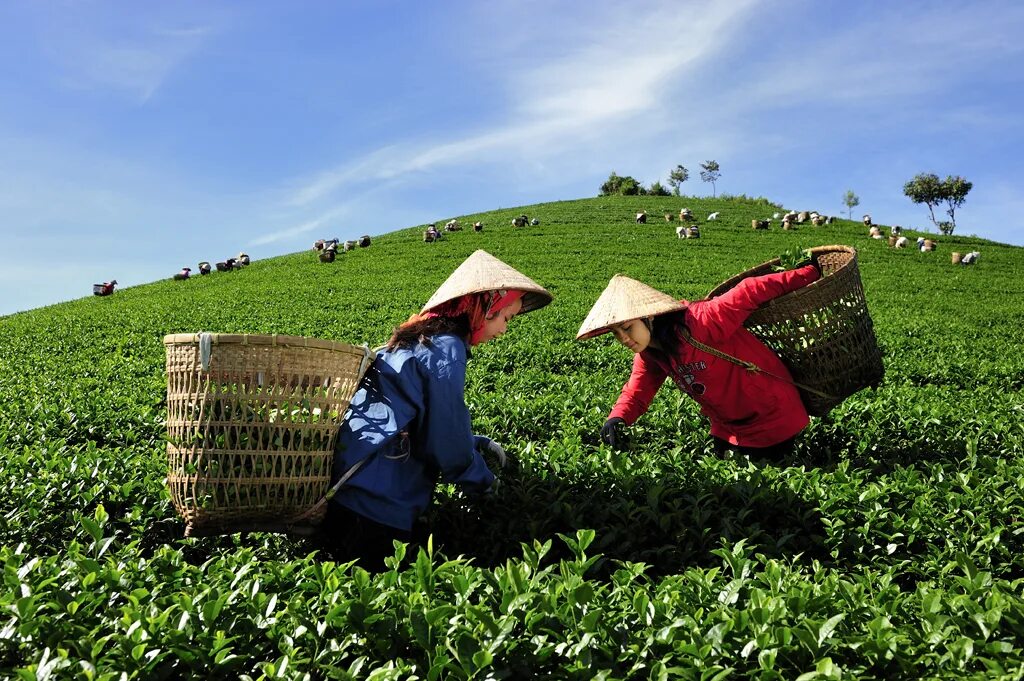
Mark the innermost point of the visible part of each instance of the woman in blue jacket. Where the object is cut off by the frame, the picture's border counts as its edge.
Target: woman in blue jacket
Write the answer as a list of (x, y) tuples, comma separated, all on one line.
[(408, 426)]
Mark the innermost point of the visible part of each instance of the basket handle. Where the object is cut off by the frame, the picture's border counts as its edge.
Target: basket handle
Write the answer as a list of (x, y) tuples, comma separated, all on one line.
[(205, 348)]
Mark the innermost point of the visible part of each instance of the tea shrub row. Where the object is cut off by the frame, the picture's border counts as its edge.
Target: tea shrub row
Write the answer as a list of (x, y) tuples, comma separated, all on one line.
[(890, 546)]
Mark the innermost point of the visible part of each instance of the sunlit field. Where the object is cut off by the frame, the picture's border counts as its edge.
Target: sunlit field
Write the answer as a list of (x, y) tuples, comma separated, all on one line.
[(889, 546)]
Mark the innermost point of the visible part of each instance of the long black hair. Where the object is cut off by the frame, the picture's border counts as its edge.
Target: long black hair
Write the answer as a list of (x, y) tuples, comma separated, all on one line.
[(665, 331), (420, 330)]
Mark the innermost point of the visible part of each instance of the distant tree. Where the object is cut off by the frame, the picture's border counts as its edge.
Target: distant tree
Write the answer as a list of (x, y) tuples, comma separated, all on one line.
[(851, 201), (954, 193), (658, 190), (631, 187), (677, 177), (710, 173), (925, 188), (611, 185), (621, 185)]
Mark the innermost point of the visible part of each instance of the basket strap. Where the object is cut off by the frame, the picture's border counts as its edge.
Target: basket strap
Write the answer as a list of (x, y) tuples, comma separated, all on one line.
[(749, 366), (367, 355), (331, 492)]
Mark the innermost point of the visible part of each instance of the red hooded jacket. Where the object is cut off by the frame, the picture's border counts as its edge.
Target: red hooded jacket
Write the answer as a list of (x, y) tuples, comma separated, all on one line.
[(746, 408)]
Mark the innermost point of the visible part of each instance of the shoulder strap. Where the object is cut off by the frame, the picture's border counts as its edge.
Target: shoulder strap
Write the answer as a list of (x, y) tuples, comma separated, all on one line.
[(367, 358), (749, 366), (331, 492)]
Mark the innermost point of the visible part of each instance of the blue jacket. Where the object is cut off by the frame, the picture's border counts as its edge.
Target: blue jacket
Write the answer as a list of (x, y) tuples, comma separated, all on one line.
[(409, 413)]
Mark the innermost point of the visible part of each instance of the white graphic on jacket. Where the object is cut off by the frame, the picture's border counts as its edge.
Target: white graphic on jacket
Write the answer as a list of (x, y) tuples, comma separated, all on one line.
[(683, 375)]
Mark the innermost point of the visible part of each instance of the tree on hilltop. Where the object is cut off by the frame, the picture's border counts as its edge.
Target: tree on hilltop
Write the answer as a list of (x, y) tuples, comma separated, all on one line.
[(955, 190), (676, 177), (928, 189), (623, 185), (925, 188), (657, 189), (851, 201), (710, 173)]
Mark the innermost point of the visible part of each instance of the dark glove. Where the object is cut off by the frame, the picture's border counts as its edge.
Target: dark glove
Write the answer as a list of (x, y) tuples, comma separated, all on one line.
[(493, 489), (486, 445), (613, 432)]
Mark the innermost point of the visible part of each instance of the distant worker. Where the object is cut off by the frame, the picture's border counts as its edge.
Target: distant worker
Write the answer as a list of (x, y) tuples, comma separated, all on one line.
[(104, 289)]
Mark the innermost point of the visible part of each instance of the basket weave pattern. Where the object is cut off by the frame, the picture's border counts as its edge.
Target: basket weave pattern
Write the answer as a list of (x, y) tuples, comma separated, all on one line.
[(251, 439), (822, 332)]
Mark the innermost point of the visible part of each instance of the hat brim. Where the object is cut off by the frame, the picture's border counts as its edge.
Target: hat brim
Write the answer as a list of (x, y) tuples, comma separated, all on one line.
[(623, 300), (482, 272)]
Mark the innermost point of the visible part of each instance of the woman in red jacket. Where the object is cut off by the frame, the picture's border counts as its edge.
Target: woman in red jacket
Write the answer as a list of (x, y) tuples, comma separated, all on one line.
[(758, 413)]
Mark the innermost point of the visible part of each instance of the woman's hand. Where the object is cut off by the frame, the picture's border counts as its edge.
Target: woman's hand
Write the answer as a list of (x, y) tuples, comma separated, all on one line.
[(613, 432), (486, 445)]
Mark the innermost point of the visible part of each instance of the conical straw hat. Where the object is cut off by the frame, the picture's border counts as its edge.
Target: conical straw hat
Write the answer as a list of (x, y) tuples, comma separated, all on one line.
[(483, 272), (625, 299)]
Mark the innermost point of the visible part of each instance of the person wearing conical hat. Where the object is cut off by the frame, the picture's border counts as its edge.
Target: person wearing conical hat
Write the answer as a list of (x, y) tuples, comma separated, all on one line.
[(757, 413), (408, 426)]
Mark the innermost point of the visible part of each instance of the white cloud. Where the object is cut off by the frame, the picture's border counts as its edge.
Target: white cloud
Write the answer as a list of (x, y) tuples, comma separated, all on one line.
[(610, 79), (890, 57), (131, 53), (303, 228)]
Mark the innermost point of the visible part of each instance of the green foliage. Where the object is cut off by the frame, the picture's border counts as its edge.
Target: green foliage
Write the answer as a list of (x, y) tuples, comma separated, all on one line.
[(657, 189), (851, 201), (928, 189), (621, 186), (792, 258), (710, 172), (743, 198), (676, 177), (954, 193), (889, 546)]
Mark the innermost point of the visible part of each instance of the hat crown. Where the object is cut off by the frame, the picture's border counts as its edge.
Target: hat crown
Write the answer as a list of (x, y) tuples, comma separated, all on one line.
[(482, 272), (625, 299)]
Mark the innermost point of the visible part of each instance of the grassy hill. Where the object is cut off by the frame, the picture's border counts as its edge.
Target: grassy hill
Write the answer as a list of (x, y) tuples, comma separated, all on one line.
[(891, 546)]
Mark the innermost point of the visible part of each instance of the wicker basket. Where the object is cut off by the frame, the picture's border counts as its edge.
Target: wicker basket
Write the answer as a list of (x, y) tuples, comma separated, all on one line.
[(822, 332), (252, 422)]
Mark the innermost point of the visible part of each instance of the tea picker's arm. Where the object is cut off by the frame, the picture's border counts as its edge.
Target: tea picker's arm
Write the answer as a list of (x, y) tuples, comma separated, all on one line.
[(445, 434), (636, 396)]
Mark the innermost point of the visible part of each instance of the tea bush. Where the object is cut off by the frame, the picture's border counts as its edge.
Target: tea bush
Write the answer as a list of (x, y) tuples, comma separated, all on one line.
[(888, 547)]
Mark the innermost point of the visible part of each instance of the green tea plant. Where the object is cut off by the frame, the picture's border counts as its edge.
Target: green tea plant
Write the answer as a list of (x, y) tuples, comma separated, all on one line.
[(889, 546), (792, 258)]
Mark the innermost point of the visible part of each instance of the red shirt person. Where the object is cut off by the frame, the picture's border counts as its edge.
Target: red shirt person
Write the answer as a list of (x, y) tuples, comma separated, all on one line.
[(750, 411)]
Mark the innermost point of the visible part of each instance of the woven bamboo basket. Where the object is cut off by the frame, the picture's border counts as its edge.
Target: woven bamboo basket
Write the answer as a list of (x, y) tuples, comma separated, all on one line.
[(822, 332), (252, 422)]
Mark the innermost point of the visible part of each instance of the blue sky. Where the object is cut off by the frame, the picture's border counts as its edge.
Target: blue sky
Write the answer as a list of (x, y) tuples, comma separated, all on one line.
[(136, 138)]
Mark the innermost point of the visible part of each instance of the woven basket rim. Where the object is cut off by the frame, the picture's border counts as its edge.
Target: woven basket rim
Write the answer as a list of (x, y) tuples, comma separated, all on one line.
[(260, 339), (759, 269)]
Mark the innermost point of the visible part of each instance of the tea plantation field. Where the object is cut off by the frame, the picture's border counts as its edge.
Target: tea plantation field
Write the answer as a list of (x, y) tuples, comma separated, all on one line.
[(890, 546)]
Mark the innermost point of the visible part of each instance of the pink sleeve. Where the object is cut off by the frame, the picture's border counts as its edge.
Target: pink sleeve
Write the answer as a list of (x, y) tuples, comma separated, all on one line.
[(640, 389), (723, 315)]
